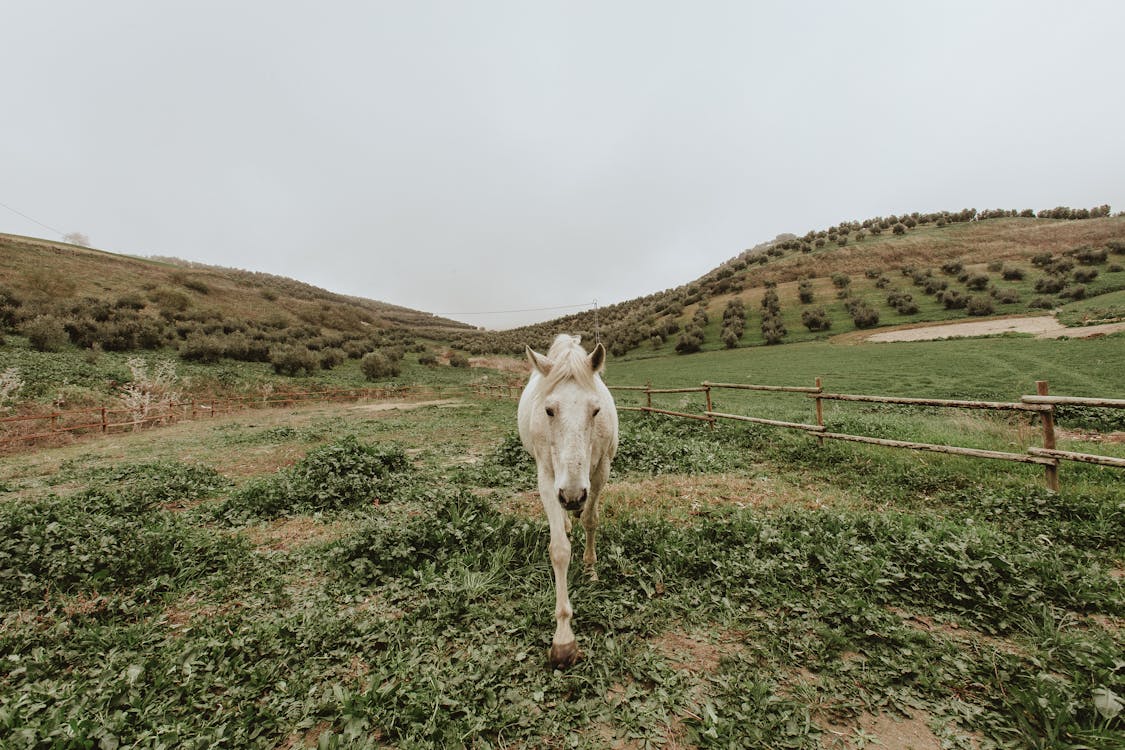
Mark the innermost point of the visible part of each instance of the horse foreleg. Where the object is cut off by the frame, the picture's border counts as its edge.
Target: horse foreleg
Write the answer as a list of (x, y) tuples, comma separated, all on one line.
[(590, 519), (564, 647)]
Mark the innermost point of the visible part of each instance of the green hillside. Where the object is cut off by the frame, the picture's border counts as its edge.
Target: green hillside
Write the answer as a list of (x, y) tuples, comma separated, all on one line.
[(879, 272)]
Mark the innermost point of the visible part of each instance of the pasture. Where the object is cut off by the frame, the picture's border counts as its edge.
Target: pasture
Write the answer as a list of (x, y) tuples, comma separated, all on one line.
[(345, 576)]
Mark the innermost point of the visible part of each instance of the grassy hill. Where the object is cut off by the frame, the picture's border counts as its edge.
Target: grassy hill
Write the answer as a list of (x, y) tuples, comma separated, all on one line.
[(46, 275), (1009, 263), (236, 330)]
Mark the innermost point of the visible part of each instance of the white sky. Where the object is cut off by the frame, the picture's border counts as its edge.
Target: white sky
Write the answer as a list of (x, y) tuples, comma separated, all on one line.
[(460, 157)]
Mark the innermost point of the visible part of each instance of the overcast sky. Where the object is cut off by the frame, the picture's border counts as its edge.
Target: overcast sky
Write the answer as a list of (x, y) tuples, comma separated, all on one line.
[(469, 157)]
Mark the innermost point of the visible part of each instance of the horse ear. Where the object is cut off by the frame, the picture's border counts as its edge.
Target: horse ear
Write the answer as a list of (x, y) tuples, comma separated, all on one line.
[(597, 357), (538, 361)]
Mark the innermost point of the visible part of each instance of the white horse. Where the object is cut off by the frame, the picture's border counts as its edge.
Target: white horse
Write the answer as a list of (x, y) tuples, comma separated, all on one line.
[(568, 422)]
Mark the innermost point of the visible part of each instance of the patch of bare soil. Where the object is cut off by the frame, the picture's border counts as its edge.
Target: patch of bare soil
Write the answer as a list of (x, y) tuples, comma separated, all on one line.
[(1041, 326), (883, 731), (503, 364), (406, 405), (289, 533)]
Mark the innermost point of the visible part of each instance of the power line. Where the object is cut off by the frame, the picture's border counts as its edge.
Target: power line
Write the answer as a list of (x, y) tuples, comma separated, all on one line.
[(21, 213), (528, 309)]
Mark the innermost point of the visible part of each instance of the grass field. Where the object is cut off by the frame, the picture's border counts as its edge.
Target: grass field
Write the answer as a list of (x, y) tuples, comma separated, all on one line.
[(352, 576)]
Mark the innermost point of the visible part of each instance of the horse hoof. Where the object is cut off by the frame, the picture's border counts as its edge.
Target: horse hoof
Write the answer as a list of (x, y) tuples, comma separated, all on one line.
[(563, 655), (591, 574)]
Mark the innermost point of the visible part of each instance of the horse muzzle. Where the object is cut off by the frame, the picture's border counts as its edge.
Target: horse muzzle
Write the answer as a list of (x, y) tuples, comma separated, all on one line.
[(572, 500)]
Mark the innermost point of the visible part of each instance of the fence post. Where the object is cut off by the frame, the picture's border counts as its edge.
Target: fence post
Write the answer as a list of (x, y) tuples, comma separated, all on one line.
[(707, 392), (105, 423), (648, 393), (1051, 473), (819, 410)]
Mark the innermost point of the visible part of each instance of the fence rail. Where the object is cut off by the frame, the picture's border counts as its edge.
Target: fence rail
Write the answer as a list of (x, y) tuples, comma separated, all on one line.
[(1040, 404), (73, 421)]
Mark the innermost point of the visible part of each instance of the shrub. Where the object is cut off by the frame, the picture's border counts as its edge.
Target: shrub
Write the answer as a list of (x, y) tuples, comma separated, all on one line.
[(1085, 275), (805, 291), (202, 348), (1005, 296), (378, 366), (841, 280), (816, 319), (1041, 303), (1050, 284), (863, 314), (1011, 273), (458, 360), (899, 228), (1041, 260), (331, 357), (1117, 247), (934, 285), (952, 268), (902, 302), (773, 330), (45, 333), (130, 301), (951, 299), (293, 360), (429, 359), (977, 282), (690, 341), (979, 304), (1090, 257), (1077, 291)]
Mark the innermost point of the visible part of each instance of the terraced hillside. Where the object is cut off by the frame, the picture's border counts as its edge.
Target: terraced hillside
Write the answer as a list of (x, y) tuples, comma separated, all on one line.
[(882, 271)]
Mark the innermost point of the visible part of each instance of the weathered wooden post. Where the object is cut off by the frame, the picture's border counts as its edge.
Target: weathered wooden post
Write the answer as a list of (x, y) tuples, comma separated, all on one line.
[(819, 410), (1051, 472), (648, 393), (105, 422), (707, 392)]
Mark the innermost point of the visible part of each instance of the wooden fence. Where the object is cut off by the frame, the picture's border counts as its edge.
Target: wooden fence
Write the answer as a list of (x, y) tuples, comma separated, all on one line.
[(103, 420), (1042, 404)]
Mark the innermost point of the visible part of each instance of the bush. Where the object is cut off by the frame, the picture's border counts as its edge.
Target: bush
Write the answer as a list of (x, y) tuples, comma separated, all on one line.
[(1090, 257), (690, 341), (1117, 247), (1050, 284), (378, 366), (1085, 275), (952, 268), (1077, 291), (863, 314), (46, 334), (1011, 273), (199, 347), (1041, 303), (816, 319), (458, 360), (294, 360), (331, 357), (899, 228), (1041, 260), (977, 282), (805, 291), (951, 299), (979, 304), (429, 359), (841, 280), (1006, 296)]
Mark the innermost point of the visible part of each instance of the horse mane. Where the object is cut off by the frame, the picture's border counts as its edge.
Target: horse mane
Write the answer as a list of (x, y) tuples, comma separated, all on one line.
[(568, 361)]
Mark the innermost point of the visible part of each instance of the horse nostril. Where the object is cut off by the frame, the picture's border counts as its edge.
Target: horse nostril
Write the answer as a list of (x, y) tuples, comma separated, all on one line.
[(582, 499)]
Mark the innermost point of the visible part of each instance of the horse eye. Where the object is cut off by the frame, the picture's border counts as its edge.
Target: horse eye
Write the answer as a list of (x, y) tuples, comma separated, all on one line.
[(550, 412), (596, 412)]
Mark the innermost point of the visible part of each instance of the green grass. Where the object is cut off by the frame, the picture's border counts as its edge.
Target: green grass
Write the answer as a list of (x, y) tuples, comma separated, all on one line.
[(150, 599)]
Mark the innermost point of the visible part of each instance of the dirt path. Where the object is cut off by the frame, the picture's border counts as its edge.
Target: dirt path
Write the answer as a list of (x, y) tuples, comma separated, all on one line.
[(1042, 326)]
